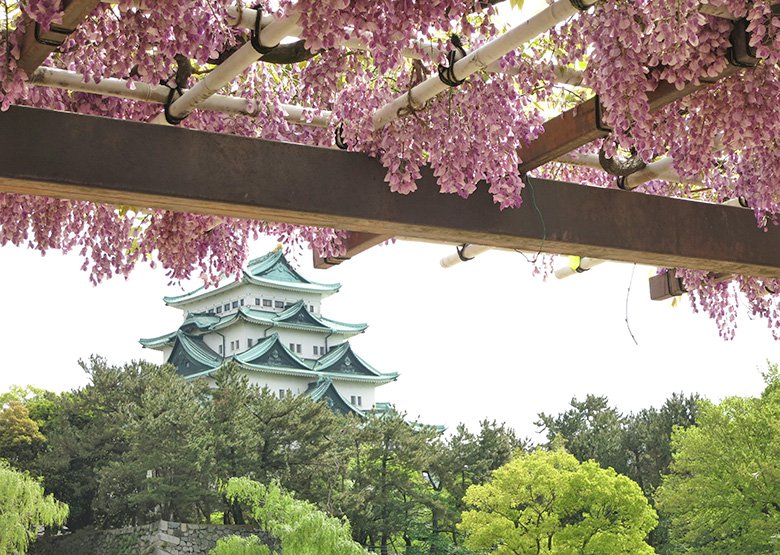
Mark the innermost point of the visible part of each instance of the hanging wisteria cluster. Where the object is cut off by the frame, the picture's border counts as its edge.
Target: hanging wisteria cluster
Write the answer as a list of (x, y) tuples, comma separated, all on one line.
[(724, 136)]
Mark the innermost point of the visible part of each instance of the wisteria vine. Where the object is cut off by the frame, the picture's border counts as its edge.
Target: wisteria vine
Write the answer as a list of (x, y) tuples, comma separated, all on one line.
[(470, 135)]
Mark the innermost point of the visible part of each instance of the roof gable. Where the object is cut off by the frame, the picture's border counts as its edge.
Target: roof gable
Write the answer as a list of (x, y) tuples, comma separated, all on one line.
[(299, 314), (342, 360), (324, 390), (191, 356), (274, 266), (271, 352), (270, 270)]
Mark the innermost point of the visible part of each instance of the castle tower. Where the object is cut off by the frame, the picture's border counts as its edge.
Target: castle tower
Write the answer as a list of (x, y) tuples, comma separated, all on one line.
[(269, 322)]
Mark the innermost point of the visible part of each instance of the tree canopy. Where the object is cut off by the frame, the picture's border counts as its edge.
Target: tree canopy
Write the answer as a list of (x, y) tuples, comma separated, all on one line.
[(547, 502), (722, 492), (23, 508)]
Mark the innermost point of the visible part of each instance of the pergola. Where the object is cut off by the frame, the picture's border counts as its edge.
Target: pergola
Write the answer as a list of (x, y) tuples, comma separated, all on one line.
[(75, 156)]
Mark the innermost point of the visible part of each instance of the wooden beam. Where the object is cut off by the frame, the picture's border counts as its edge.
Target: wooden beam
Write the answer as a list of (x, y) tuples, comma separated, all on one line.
[(121, 162), (584, 123), (357, 243), (37, 45)]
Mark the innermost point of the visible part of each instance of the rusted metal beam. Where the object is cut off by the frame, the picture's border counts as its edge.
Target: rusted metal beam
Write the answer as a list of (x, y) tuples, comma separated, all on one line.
[(37, 44), (121, 162), (357, 243)]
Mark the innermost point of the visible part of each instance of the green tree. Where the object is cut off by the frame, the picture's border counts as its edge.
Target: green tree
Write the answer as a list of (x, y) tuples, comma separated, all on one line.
[(20, 436), (385, 495), (237, 545), (547, 502), (723, 492), (23, 508), (167, 469), (88, 431), (465, 459), (592, 430), (299, 526)]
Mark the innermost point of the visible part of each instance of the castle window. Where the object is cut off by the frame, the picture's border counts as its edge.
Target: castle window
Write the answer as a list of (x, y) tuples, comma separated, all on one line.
[(211, 311), (219, 310), (298, 348), (249, 342), (267, 303), (311, 308), (226, 307), (257, 302), (352, 399), (278, 304), (316, 350), (281, 393), (242, 302), (360, 401), (235, 304), (220, 349)]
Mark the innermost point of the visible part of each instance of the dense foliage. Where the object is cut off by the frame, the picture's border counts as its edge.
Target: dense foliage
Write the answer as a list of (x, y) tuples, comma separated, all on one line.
[(470, 134), (300, 527), (637, 445), (237, 545), (23, 508), (722, 492), (547, 502), (139, 443)]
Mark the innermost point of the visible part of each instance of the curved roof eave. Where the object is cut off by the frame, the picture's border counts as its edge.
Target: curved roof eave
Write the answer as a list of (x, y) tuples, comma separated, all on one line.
[(157, 342), (341, 377)]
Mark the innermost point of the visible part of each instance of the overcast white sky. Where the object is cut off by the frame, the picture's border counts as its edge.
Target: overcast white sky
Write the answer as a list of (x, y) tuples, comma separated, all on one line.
[(483, 339)]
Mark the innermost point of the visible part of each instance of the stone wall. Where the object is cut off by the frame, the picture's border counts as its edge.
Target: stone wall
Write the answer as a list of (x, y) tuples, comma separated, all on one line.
[(159, 538)]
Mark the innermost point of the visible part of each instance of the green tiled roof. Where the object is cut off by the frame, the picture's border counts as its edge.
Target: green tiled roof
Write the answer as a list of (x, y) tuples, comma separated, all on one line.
[(271, 270), (190, 355), (343, 361), (193, 358), (323, 389), (270, 352), (157, 342), (296, 317)]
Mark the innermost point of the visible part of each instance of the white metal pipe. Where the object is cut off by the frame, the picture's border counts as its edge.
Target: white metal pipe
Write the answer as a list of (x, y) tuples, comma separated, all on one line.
[(225, 72), (480, 58), (563, 75), (70, 80), (466, 251), (584, 265), (660, 169)]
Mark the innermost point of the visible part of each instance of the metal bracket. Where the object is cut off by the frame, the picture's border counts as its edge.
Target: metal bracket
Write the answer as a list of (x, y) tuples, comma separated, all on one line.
[(600, 125), (665, 286), (53, 28)]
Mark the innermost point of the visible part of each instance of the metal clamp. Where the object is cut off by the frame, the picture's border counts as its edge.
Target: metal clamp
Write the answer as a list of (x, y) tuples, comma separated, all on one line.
[(600, 125), (463, 258), (255, 37)]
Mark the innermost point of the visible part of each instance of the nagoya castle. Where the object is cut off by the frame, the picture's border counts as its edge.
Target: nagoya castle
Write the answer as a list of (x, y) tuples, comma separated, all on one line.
[(270, 324)]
